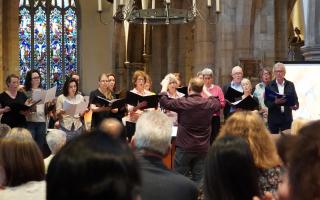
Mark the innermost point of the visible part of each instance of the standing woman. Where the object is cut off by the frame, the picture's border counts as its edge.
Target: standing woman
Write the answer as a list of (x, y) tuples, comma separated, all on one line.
[(12, 116), (105, 90), (169, 85), (139, 79), (36, 121), (72, 125)]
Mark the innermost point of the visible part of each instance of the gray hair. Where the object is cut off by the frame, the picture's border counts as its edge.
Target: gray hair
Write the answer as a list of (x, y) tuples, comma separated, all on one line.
[(207, 72), (153, 132), (278, 65), (169, 78), (56, 139)]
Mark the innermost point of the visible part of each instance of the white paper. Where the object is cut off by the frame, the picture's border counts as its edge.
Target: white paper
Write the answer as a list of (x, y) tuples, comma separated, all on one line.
[(174, 131), (74, 109), (49, 95), (36, 95)]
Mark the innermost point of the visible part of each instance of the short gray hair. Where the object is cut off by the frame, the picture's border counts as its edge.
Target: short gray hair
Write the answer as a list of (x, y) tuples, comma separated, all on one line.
[(56, 139), (153, 132), (207, 72), (278, 65)]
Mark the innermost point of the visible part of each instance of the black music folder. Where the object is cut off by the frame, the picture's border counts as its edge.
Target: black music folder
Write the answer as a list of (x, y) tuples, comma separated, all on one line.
[(271, 95), (248, 103), (134, 99), (183, 90), (23, 107), (114, 103), (232, 94)]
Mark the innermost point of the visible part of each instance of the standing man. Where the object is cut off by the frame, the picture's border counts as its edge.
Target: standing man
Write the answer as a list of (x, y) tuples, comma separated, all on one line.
[(237, 75), (194, 128), (215, 91), (280, 114)]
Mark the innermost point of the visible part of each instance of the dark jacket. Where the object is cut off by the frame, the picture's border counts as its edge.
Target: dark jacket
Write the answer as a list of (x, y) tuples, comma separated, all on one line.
[(274, 110)]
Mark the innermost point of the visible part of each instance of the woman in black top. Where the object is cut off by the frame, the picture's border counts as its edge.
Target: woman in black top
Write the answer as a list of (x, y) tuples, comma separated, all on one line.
[(9, 100), (99, 111)]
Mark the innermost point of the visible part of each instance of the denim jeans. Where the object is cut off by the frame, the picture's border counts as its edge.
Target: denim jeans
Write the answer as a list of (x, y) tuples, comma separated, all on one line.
[(185, 162), (38, 132)]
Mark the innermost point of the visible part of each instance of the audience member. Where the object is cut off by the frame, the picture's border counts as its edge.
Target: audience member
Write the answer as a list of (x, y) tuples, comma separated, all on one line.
[(4, 130), (113, 127), (194, 128), (237, 75), (280, 113), (94, 166), (22, 166), (215, 91), (250, 126), (152, 141), (56, 139), (230, 171)]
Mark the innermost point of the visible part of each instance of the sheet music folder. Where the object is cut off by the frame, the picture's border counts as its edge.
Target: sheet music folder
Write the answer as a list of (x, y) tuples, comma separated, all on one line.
[(183, 90), (133, 99), (232, 94), (271, 96), (22, 107), (114, 103), (247, 103)]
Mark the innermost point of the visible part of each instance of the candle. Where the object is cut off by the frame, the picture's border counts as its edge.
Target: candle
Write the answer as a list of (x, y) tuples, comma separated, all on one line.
[(144, 4), (168, 1), (121, 3), (217, 5), (99, 6), (115, 7), (153, 4), (209, 3)]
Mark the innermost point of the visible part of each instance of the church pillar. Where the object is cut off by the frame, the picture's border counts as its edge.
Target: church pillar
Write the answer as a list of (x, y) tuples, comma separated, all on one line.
[(311, 50)]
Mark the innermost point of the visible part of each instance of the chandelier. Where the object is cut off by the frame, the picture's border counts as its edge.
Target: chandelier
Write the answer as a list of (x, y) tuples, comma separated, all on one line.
[(127, 10)]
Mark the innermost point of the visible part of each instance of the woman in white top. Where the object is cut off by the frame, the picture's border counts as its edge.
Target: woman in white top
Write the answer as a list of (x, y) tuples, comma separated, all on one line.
[(169, 85), (138, 80), (72, 125), (36, 120), (21, 167)]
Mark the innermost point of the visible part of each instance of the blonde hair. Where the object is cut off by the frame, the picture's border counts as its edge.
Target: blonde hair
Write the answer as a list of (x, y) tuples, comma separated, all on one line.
[(250, 126), (297, 124)]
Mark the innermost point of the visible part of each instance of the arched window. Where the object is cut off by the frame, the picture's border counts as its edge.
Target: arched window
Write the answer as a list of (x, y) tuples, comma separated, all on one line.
[(48, 39)]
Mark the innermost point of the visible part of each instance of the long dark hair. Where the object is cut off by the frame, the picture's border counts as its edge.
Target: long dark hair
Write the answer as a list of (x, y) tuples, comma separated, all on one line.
[(93, 166), (28, 81), (230, 172)]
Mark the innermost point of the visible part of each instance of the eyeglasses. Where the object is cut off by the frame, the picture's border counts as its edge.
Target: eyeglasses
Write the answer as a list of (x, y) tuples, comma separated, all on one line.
[(36, 77)]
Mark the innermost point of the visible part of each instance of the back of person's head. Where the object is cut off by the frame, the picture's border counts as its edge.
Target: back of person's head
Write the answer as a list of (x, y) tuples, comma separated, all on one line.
[(153, 132), (285, 145), (196, 85), (112, 127), (20, 158), (56, 139), (250, 126), (93, 166), (4, 130), (304, 176), (297, 124), (230, 172)]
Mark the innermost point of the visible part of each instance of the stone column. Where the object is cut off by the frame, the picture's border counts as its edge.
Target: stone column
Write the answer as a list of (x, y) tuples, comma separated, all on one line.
[(311, 50)]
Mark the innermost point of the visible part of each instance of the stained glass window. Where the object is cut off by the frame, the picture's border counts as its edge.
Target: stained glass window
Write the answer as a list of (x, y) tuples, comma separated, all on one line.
[(48, 39)]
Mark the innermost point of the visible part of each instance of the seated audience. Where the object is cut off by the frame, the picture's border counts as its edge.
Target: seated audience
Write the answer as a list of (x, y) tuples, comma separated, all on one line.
[(56, 139), (152, 140), (4, 130), (93, 166), (113, 127), (251, 127), (21, 167), (230, 171)]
